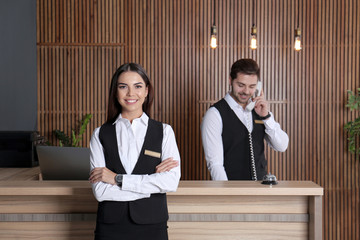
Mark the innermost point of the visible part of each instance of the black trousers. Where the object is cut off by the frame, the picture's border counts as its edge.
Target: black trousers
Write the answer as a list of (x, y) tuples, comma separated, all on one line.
[(127, 229)]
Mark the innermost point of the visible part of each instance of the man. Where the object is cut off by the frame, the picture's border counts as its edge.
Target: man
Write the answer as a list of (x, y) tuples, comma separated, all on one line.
[(233, 136)]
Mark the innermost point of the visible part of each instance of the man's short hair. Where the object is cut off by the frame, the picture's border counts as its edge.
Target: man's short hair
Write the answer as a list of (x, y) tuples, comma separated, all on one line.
[(245, 66)]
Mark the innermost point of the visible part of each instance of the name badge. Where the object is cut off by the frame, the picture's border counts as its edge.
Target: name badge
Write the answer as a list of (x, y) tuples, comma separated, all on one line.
[(152, 153), (259, 121)]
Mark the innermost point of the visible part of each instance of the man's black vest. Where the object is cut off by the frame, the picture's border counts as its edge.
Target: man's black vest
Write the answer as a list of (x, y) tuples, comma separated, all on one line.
[(143, 211), (235, 137)]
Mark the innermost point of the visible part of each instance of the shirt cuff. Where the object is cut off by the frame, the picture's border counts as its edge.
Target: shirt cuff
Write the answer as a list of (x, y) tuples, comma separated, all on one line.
[(270, 122), (130, 182), (218, 173)]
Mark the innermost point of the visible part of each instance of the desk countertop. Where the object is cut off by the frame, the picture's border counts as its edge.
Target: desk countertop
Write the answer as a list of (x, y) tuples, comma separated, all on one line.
[(25, 181), (230, 188), (18, 174)]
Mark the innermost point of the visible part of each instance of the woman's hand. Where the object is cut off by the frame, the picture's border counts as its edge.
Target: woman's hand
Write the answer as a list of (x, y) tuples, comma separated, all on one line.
[(102, 174), (167, 165)]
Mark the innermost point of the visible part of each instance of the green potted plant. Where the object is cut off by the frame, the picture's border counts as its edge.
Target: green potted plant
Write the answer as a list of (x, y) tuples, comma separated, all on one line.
[(353, 127), (76, 137), (69, 161)]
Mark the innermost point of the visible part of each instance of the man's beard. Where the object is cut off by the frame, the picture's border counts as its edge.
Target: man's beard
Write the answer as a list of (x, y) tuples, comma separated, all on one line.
[(238, 99)]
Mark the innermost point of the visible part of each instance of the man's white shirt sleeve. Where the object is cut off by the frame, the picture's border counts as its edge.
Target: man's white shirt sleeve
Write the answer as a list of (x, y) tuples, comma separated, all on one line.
[(211, 130), (275, 137)]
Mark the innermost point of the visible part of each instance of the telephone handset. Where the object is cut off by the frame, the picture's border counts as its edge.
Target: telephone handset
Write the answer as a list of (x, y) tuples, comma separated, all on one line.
[(257, 93)]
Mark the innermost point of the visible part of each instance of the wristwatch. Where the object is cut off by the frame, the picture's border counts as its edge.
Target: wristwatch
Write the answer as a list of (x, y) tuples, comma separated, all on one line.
[(265, 117), (119, 179)]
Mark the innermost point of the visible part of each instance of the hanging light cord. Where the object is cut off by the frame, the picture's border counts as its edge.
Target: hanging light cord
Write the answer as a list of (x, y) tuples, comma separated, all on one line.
[(214, 13), (298, 20), (253, 12)]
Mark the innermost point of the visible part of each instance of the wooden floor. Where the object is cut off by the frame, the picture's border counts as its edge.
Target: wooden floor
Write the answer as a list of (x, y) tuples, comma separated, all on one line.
[(19, 174)]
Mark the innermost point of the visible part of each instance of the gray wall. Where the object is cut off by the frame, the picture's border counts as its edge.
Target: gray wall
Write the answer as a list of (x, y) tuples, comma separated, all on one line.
[(18, 84)]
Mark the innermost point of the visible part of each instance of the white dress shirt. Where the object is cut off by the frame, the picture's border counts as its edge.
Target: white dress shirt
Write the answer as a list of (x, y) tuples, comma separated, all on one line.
[(211, 131), (130, 139)]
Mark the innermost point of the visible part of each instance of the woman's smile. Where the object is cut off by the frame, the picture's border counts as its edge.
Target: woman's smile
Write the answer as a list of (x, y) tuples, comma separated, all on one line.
[(131, 101)]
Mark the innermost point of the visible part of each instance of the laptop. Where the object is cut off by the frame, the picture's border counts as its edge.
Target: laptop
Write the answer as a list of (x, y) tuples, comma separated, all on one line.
[(64, 163)]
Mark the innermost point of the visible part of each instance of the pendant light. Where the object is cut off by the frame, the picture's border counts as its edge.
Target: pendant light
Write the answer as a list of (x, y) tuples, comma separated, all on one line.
[(253, 36), (213, 32), (297, 44)]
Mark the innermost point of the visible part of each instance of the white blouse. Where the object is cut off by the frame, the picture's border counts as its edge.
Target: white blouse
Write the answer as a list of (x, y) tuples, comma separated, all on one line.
[(130, 139)]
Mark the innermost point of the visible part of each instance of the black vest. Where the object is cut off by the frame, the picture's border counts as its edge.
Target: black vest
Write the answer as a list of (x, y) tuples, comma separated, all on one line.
[(235, 137), (143, 211)]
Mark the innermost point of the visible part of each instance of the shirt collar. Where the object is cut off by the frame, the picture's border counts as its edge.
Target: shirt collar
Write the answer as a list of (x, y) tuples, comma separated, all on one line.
[(144, 119), (231, 101)]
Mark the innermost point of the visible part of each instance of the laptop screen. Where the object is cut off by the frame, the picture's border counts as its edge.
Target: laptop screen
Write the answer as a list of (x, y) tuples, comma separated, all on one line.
[(64, 163)]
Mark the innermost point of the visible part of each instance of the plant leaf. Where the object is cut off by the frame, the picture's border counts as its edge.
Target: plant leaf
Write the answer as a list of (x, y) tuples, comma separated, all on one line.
[(75, 138), (63, 138)]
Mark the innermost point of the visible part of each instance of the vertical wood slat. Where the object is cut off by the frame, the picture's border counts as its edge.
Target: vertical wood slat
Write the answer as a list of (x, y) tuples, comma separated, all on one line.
[(306, 90)]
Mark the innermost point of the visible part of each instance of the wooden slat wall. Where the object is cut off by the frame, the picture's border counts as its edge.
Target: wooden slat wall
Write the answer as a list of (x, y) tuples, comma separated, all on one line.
[(81, 43)]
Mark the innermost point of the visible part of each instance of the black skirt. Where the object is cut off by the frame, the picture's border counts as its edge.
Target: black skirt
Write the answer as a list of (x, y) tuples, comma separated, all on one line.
[(127, 229)]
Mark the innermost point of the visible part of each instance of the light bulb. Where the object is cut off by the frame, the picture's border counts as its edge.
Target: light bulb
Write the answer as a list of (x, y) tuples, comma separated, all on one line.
[(213, 40), (253, 40), (297, 45), (213, 43)]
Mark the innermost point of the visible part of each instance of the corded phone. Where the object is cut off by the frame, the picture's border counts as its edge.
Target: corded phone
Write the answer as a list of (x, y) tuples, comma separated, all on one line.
[(250, 107), (257, 93)]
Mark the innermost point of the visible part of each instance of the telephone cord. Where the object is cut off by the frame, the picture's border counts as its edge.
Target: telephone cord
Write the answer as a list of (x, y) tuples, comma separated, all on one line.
[(253, 168)]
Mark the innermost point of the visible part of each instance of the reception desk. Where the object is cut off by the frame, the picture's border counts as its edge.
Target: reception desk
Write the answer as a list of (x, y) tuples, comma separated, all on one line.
[(198, 210)]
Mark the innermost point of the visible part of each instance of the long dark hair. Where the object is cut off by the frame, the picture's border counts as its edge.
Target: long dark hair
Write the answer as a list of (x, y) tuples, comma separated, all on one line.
[(114, 108)]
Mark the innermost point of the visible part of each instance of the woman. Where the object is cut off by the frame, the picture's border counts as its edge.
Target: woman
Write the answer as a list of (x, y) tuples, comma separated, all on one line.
[(134, 162)]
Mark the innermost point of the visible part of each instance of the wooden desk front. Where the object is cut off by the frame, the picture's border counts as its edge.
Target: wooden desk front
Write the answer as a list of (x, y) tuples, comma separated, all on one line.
[(198, 210)]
